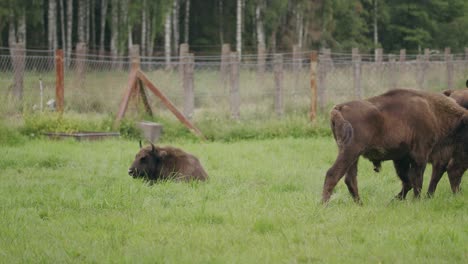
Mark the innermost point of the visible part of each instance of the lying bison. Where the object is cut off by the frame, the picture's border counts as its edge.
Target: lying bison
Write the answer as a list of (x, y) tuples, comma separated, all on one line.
[(166, 163), (400, 125)]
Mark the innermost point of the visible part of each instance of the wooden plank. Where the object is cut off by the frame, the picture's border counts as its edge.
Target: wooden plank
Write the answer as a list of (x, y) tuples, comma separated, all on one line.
[(59, 81), (126, 98), (169, 104), (313, 86)]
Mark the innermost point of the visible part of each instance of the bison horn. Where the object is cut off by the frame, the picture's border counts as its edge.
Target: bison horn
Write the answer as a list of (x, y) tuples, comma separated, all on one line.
[(152, 147), (140, 144)]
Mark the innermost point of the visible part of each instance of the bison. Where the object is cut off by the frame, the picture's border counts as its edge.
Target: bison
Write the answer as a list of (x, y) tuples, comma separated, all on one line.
[(166, 163), (400, 125), (451, 155)]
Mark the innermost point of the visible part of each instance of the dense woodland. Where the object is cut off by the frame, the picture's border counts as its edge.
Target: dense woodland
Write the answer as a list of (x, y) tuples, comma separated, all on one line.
[(158, 26)]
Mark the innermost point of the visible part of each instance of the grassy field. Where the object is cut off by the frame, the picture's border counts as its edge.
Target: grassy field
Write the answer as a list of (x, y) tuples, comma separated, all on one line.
[(66, 201)]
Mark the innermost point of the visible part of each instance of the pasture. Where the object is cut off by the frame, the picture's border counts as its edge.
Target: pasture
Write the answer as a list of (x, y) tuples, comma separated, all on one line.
[(73, 202)]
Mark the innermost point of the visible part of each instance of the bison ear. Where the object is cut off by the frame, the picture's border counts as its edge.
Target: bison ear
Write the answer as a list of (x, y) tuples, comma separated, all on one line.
[(162, 153), (153, 148), (447, 92)]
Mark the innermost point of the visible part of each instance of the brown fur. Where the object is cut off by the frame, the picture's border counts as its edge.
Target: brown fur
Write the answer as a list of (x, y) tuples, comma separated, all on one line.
[(400, 125), (166, 163)]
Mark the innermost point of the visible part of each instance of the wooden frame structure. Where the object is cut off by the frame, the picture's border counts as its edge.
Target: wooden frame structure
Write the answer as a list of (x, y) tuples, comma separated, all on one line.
[(135, 87)]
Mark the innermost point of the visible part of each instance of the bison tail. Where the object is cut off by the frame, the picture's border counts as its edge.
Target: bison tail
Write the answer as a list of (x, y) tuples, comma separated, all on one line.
[(342, 129)]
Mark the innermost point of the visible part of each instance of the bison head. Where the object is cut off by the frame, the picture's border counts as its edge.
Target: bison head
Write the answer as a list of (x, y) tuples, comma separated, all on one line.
[(147, 162)]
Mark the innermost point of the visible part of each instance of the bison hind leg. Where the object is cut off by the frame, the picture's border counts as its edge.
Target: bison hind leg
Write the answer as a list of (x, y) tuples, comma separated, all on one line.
[(351, 182)]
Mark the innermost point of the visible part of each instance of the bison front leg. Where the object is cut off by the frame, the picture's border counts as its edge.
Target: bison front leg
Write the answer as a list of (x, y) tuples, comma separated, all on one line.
[(344, 160), (351, 182), (402, 170), (455, 176), (437, 172), (416, 176)]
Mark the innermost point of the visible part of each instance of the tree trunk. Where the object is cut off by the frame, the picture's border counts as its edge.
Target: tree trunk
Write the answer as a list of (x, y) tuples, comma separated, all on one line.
[(167, 39), (12, 30), (126, 24), (175, 25), (260, 27), (92, 19), (114, 28), (62, 24), (103, 26), (299, 27), (376, 33), (69, 30), (221, 22), (152, 35), (239, 29), (144, 24), (82, 21), (17, 42), (187, 21), (52, 24)]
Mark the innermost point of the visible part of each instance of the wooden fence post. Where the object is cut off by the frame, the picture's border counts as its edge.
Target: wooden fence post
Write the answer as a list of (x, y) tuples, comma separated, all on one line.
[(357, 73), (81, 51), (423, 62), (378, 55), (183, 51), (392, 71), (189, 96), (449, 64), (297, 63), (278, 70), (224, 67), (402, 62), (59, 80), (18, 59), (313, 86), (324, 66), (234, 93), (261, 60)]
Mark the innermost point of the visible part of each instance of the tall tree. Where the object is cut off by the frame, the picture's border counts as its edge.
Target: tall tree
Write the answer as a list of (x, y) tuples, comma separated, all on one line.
[(69, 30), (82, 20), (175, 24), (62, 24), (186, 21), (104, 5), (114, 27), (52, 24), (167, 38), (144, 25), (239, 28)]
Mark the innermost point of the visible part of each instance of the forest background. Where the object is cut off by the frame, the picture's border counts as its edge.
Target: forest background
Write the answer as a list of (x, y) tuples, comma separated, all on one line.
[(110, 27)]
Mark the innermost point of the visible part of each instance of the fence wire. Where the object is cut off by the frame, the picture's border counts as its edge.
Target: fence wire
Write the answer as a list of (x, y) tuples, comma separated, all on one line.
[(97, 83)]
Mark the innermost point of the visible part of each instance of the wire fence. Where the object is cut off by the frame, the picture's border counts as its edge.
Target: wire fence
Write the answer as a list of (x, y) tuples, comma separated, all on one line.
[(271, 85)]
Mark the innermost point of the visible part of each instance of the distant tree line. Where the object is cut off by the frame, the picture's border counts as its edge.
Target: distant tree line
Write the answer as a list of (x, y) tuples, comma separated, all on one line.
[(159, 26)]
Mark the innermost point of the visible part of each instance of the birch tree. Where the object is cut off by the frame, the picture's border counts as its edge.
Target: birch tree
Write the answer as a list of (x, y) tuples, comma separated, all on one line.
[(175, 24), (52, 24), (239, 28), (69, 30), (114, 28), (167, 38), (186, 21), (144, 24), (82, 21)]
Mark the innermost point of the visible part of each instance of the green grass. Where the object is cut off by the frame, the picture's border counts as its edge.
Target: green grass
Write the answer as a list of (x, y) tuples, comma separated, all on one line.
[(66, 201)]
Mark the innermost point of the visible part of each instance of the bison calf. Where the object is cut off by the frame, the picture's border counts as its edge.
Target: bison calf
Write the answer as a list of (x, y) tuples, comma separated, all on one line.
[(166, 163)]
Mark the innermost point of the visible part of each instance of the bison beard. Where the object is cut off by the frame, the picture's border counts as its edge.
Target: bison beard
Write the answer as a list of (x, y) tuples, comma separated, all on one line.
[(166, 163), (400, 125)]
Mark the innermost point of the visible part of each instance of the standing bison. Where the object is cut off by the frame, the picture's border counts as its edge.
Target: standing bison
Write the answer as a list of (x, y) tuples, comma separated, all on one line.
[(401, 125), (166, 163), (451, 155)]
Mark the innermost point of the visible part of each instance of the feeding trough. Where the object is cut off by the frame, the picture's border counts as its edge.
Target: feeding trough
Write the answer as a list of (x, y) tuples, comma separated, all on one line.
[(79, 136), (151, 131)]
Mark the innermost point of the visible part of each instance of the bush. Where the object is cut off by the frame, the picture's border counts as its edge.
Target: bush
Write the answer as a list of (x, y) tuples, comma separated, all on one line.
[(10, 136)]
